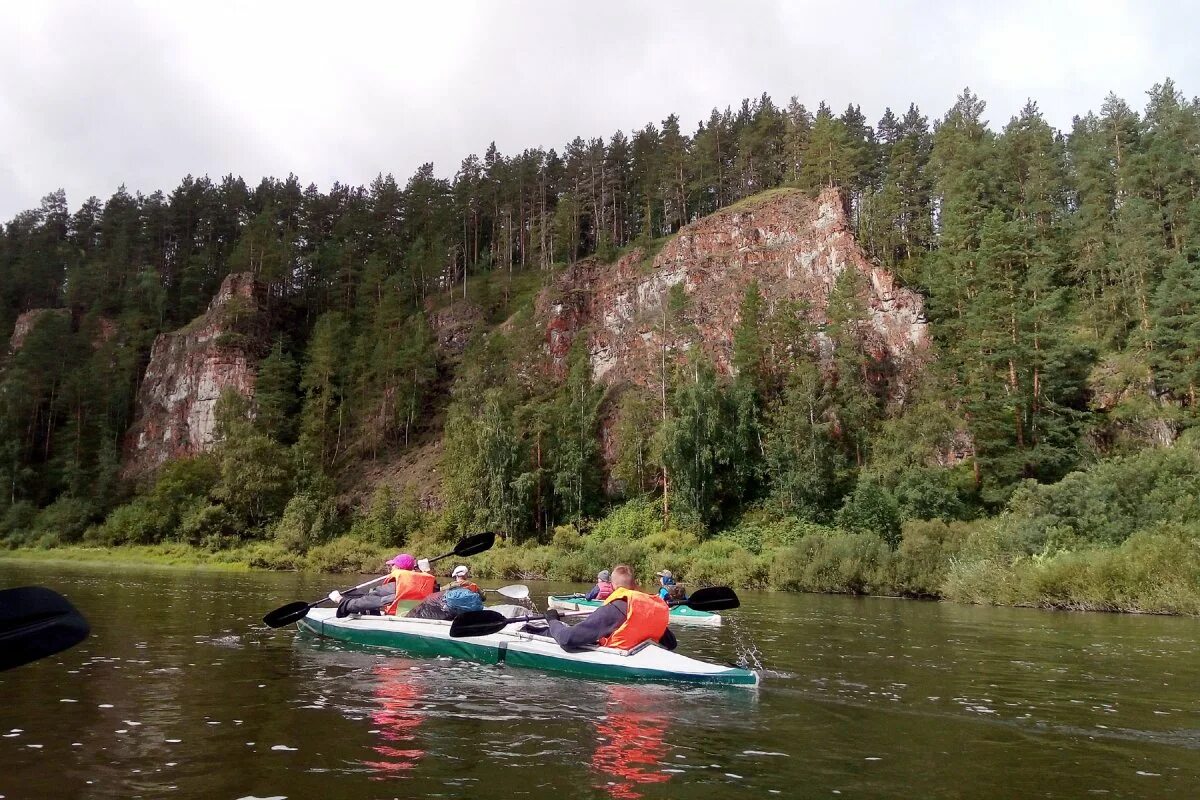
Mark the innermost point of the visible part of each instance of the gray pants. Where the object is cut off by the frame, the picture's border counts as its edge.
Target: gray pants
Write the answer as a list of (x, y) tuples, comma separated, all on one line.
[(369, 603)]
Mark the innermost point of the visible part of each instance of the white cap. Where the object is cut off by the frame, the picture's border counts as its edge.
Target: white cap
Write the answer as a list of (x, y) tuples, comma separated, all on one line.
[(461, 569)]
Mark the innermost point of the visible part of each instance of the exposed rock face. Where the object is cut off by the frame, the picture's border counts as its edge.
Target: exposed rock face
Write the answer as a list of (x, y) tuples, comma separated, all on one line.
[(454, 325), (189, 369), (794, 247), (25, 323)]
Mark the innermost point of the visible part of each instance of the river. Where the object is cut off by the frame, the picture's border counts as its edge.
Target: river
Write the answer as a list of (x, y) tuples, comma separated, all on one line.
[(182, 692)]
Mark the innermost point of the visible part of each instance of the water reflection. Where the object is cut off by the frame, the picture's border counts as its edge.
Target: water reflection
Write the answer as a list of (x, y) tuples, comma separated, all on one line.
[(633, 731), (398, 690)]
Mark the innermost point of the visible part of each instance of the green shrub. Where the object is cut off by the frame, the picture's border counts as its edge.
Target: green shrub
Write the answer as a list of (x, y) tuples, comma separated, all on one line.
[(761, 531), (346, 554), (926, 550), (930, 493), (853, 563), (635, 519), (269, 555), (1110, 501), (722, 563), (566, 538), (1151, 572), (872, 509), (307, 520), (17, 521), (208, 525), (63, 521), (138, 522)]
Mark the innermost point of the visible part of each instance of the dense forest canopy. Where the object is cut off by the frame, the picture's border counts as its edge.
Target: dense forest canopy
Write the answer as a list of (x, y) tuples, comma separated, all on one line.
[(1060, 272)]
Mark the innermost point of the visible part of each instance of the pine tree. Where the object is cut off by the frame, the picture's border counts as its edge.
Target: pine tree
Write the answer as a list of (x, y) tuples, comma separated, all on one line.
[(275, 399), (830, 157), (323, 381)]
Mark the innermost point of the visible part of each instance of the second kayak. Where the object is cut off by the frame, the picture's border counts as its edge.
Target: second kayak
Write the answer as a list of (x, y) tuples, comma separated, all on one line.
[(680, 615)]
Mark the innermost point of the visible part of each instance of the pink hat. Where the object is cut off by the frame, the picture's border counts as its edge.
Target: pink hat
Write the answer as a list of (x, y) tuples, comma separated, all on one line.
[(403, 561)]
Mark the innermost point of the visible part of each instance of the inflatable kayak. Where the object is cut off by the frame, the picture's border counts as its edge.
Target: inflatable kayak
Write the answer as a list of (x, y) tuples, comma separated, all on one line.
[(421, 637), (680, 615)]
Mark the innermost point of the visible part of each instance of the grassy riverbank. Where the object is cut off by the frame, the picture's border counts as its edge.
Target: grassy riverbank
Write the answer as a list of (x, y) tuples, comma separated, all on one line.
[(1123, 535), (984, 562)]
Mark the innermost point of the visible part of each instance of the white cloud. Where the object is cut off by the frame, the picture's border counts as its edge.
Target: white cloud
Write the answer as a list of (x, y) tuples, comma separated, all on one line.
[(93, 95)]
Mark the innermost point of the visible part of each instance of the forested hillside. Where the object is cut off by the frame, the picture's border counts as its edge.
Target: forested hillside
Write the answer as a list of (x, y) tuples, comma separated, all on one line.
[(1062, 294)]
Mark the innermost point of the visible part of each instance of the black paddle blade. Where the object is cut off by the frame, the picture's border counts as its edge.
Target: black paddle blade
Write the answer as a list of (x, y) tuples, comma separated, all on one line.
[(476, 543), (477, 623), (713, 598), (286, 615), (36, 622)]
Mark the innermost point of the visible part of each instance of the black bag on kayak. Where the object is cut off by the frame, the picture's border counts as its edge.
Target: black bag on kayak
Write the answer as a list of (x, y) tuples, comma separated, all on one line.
[(432, 607)]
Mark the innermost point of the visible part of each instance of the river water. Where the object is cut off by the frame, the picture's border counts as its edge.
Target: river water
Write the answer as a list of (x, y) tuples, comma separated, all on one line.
[(182, 692)]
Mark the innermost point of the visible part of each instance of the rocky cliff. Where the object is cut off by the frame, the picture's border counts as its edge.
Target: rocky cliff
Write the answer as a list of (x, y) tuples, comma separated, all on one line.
[(188, 371), (795, 247), (25, 323)]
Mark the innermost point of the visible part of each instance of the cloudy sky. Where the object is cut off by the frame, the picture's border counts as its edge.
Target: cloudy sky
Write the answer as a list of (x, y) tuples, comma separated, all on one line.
[(93, 95)]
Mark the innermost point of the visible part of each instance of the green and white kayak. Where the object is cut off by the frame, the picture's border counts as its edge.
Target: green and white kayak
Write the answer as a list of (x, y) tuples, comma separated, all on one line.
[(680, 615), (422, 637)]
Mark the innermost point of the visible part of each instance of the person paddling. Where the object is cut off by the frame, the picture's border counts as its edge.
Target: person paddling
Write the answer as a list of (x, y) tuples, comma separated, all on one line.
[(665, 581), (461, 579), (409, 580), (603, 587), (627, 618)]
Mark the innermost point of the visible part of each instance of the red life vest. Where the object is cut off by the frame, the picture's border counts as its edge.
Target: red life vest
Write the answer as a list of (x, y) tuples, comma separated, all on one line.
[(409, 586), (605, 587), (646, 618)]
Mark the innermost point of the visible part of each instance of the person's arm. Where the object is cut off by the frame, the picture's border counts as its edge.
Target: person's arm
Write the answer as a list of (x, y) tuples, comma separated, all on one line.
[(595, 626), (662, 592), (594, 593)]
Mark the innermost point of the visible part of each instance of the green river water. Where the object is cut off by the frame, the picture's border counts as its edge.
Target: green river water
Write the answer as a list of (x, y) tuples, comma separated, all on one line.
[(182, 692)]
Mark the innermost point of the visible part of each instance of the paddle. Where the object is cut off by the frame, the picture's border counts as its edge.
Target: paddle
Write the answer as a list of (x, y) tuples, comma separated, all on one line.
[(294, 612), (482, 623), (517, 591), (36, 622)]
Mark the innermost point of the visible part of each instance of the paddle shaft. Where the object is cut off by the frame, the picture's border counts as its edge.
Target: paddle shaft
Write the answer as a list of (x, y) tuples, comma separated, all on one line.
[(380, 579), (293, 612), (483, 623), (537, 617)]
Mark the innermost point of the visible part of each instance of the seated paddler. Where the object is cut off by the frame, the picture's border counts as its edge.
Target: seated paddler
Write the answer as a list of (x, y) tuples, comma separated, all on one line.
[(460, 578), (627, 618), (409, 579)]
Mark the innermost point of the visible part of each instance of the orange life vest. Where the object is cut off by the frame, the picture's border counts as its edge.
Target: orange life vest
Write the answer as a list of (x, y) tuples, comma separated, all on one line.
[(646, 617), (409, 586)]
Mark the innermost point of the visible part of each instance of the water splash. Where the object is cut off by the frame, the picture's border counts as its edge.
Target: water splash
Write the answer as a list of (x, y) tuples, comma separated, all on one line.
[(748, 655)]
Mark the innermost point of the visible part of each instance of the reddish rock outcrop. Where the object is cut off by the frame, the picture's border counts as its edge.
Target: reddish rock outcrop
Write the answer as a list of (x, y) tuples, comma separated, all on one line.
[(189, 369), (25, 323), (795, 247)]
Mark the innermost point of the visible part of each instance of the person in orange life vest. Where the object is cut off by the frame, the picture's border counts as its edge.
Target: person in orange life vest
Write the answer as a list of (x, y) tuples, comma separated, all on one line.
[(409, 580), (603, 587), (461, 579), (412, 579), (627, 618)]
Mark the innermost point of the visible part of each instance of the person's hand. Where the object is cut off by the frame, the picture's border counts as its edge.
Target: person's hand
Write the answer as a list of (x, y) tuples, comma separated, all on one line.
[(423, 564), (335, 596), (552, 614)]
